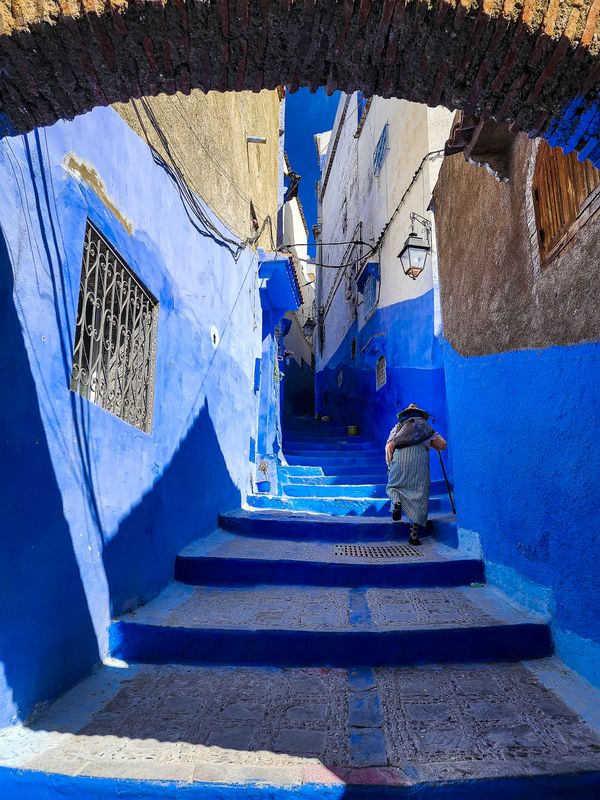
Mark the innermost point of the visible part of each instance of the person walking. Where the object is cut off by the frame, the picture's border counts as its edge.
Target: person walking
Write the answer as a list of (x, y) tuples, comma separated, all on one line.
[(407, 458)]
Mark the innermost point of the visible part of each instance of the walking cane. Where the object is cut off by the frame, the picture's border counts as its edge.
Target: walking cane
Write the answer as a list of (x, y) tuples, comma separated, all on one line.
[(447, 483)]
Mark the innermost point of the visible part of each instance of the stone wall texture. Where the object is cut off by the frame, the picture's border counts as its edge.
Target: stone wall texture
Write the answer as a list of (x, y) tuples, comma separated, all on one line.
[(520, 61), (495, 294)]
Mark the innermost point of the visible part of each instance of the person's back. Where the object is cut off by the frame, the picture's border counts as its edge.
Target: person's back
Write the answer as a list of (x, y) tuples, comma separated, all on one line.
[(407, 458)]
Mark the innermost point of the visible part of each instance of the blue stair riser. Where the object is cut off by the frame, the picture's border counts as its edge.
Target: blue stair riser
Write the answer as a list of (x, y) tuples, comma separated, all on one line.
[(336, 452), (330, 444), (215, 571), (342, 529), (344, 490), (327, 464), (336, 506), (367, 784), (309, 472), (316, 430), (135, 642), (334, 480)]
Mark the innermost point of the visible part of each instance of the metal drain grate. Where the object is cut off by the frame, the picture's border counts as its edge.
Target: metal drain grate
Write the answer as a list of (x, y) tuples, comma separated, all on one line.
[(376, 550)]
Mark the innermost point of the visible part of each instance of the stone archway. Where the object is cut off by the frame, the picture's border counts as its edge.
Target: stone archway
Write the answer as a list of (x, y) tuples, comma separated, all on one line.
[(533, 63)]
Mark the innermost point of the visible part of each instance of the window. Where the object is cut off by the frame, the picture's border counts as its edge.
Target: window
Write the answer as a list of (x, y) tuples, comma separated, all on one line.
[(563, 192), (380, 150), (340, 378), (380, 373), (370, 296), (362, 109), (361, 105), (353, 349), (345, 216), (115, 335)]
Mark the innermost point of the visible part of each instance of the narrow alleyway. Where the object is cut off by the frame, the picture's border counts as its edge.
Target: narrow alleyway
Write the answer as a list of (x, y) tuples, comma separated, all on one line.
[(318, 623)]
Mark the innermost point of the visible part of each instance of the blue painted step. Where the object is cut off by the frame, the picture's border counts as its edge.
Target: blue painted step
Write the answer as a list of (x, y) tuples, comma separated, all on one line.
[(348, 467), (335, 506), (329, 463), (328, 453), (321, 527), (225, 559), (336, 490), (335, 627), (333, 480), (341, 445)]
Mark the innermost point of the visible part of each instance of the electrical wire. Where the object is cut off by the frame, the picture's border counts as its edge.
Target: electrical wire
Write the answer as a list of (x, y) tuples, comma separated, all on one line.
[(193, 207), (176, 101)]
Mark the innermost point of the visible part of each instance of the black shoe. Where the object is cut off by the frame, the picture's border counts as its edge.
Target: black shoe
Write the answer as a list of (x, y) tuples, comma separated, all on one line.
[(397, 513), (414, 536)]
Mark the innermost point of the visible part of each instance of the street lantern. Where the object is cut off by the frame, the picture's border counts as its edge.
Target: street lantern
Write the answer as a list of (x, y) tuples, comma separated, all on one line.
[(413, 255)]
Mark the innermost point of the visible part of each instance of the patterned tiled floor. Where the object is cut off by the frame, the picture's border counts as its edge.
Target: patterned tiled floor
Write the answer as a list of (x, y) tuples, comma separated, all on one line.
[(290, 725), (327, 609)]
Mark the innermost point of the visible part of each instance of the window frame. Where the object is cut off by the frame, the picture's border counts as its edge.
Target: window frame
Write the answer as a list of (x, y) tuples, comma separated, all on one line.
[(381, 149), (587, 207)]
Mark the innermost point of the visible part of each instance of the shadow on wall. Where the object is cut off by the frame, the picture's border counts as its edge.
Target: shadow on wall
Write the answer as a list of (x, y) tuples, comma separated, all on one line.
[(139, 557), (47, 640), (50, 233), (183, 504), (298, 389)]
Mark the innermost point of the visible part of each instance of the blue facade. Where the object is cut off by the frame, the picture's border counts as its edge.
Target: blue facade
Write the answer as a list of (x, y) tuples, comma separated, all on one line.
[(403, 332), (526, 467), (95, 510)]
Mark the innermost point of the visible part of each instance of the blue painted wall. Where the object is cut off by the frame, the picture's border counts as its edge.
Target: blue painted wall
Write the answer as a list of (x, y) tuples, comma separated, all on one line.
[(523, 427), (415, 372), (94, 511)]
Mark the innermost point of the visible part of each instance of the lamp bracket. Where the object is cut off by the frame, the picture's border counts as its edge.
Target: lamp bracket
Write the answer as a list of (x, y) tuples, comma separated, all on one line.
[(414, 218)]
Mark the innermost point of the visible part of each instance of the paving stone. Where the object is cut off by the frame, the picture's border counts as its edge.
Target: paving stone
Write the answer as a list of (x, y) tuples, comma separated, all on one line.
[(234, 738), (361, 679), (367, 748), (486, 716), (244, 711), (437, 723), (315, 713), (364, 710), (300, 742)]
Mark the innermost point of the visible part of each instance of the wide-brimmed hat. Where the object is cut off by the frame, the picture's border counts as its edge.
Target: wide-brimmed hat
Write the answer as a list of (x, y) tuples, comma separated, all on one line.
[(413, 411)]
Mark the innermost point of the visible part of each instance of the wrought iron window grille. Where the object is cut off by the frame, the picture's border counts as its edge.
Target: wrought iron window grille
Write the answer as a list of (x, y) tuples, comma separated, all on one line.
[(115, 335), (380, 373)]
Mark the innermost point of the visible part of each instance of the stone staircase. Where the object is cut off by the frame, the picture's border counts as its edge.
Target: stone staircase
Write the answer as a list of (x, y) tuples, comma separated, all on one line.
[(305, 649)]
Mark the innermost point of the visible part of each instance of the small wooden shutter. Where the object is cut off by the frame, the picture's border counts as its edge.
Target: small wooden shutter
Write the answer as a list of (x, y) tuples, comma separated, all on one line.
[(561, 187)]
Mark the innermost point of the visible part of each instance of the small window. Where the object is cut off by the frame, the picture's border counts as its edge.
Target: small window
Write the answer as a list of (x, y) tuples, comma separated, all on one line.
[(563, 190), (115, 335), (353, 349), (340, 378), (361, 105), (381, 150), (380, 373), (345, 216), (370, 296), (362, 109)]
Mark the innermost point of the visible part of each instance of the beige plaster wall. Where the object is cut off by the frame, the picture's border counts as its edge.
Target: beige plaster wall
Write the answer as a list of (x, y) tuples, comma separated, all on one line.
[(207, 137), (495, 295)]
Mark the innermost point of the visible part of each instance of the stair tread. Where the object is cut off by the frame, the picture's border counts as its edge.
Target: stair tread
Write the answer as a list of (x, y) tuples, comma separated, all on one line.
[(457, 726), (281, 515), (328, 609), (222, 544)]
